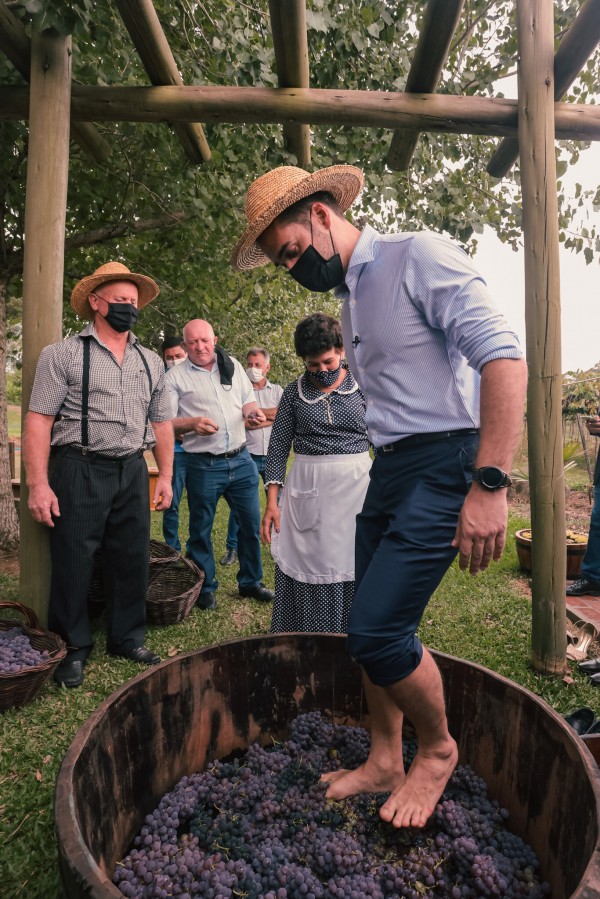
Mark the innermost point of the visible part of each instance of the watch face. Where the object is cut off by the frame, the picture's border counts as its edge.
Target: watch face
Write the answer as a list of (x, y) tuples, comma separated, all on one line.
[(492, 477)]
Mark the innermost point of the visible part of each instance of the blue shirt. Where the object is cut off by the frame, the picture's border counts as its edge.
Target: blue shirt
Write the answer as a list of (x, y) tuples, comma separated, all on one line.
[(418, 327)]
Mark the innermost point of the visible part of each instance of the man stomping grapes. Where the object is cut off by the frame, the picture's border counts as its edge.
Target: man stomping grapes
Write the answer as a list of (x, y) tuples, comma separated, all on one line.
[(444, 380)]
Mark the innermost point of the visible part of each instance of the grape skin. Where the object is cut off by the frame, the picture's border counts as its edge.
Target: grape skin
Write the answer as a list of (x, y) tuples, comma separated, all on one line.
[(259, 827), (17, 653)]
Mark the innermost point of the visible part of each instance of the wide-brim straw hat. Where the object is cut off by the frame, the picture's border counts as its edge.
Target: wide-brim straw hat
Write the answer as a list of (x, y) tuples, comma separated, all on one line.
[(280, 188), (148, 289)]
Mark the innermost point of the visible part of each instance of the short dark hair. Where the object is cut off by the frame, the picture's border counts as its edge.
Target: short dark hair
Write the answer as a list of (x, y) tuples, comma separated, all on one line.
[(316, 334), (259, 350), (170, 342), (300, 211)]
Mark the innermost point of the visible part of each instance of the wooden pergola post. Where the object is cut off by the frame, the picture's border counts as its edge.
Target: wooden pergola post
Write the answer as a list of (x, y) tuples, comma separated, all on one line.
[(45, 215), (542, 319)]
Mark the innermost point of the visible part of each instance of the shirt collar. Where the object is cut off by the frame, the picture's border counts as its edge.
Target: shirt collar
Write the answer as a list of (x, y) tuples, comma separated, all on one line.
[(363, 252), (200, 368), (90, 331)]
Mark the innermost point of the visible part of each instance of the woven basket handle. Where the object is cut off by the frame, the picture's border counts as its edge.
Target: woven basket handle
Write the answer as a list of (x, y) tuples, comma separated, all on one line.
[(25, 611)]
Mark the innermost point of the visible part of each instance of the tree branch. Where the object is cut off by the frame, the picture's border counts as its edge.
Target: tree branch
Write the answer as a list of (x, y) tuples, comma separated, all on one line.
[(101, 235)]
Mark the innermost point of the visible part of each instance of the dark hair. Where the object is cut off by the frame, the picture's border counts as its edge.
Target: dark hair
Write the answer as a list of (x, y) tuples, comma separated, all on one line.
[(300, 211), (317, 333), (170, 342)]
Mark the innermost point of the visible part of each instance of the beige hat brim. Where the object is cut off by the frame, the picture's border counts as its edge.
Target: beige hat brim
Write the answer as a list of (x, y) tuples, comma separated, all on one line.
[(344, 182), (148, 290)]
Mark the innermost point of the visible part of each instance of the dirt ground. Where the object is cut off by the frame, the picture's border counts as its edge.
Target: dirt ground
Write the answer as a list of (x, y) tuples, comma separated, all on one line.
[(577, 507)]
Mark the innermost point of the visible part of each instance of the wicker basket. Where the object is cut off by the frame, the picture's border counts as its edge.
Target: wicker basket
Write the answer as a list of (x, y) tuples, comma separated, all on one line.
[(21, 687), (172, 591), (162, 552)]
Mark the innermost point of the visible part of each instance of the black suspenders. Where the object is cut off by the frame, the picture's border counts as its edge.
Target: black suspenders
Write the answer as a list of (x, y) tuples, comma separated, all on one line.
[(85, 392)]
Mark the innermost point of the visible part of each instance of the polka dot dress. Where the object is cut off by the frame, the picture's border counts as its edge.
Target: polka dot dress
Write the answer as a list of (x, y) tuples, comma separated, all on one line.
[(318, 608)]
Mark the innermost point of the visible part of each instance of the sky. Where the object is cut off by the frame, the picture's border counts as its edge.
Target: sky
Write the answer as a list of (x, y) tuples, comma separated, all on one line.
[(504, 271)]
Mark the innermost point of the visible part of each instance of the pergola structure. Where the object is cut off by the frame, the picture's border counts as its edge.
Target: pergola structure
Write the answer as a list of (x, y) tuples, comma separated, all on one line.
[(528, 128)]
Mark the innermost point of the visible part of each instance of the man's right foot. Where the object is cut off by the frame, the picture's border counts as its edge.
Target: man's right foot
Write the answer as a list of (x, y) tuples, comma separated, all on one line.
[(229, 558), (207, 601), (583, 587), (70, 673)]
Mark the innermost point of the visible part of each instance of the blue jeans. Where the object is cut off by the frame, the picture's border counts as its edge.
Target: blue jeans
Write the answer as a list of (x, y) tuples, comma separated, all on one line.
[(208, 479), (591, 561), (232, 527), (171, 516)]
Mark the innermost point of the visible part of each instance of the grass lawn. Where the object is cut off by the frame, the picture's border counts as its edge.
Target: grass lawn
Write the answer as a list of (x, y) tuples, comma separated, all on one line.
[(485, 619), (14, 421)]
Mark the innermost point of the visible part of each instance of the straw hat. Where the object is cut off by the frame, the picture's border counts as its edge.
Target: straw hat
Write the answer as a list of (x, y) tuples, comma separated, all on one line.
[(148, 289), (273, 192)]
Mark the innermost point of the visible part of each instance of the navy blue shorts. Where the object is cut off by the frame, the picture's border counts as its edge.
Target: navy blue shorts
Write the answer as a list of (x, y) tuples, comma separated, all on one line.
[(403, 550)]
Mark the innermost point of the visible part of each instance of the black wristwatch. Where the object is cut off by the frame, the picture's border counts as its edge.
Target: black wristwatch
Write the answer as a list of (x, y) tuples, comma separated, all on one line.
[(491, 478)]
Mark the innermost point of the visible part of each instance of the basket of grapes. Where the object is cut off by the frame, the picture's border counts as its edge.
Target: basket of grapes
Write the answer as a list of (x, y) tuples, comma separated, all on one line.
[(28, 656)]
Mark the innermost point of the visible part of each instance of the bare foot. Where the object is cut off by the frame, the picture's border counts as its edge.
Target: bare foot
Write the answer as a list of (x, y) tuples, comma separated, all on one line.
[(368, 778), (412, 803)]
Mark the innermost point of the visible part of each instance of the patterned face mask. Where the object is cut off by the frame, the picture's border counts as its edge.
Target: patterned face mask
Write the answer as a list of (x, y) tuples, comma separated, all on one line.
[(326, 378)]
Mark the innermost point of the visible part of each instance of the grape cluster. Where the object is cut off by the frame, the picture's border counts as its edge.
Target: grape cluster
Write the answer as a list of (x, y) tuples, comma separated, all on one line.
[(259, 827), (17, 653)]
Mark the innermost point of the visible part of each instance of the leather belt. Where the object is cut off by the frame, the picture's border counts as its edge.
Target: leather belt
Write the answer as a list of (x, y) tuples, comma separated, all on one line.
[(419, 439), (69, 449), (228, 455)]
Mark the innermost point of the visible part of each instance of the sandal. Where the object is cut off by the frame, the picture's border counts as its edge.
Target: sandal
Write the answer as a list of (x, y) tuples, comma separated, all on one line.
[(578, 643)]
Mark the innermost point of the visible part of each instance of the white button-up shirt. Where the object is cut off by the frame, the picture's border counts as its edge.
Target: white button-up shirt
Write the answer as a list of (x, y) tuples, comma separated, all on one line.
[(266, 397), (195, 391)]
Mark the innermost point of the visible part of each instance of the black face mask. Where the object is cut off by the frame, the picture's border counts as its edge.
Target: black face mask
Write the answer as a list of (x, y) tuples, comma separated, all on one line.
[(121, 316), (326, 378), (314, 272)]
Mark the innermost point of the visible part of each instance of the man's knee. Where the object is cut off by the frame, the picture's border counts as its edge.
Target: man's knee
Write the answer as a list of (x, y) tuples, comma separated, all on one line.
[(386, 659)]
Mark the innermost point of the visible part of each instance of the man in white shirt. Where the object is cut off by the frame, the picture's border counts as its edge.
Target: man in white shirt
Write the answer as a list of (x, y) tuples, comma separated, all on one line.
[(212, 399), (258, 434)]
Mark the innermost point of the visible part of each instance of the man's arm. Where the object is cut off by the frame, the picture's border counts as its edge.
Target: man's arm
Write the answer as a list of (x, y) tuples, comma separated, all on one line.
[(205, 427), (37, 432), (163, 453), (481, 531), (253, 414)]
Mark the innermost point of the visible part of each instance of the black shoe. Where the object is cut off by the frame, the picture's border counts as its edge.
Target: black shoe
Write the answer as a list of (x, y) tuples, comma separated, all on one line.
[(229, 558), (70, 673), (583, 587), (207, 601), (260, 592), (581, 720), (590, 666), (138, 654)]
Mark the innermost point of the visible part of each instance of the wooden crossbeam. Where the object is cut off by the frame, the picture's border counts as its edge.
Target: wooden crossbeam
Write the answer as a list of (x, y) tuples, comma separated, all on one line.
[(439, 25), (443, 113), (574, 50), (150, 41), (15, 43), (288, 26)]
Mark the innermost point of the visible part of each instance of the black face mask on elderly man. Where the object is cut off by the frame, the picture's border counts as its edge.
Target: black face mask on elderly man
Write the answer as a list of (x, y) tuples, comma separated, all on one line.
[(121, 316), (314, 272)]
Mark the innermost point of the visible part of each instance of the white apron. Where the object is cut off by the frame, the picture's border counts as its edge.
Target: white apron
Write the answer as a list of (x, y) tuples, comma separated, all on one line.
[(320, 500)]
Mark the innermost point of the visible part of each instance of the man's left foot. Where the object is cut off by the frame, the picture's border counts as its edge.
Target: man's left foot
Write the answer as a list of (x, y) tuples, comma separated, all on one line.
[(413, 803), (139, 654), (230, 558), (260, 592)]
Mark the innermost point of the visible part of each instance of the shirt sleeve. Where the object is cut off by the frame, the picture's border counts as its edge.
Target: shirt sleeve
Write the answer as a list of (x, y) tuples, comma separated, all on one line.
[(160, 405), (445, 285), (246, 388), (282, 436), (50, 385)]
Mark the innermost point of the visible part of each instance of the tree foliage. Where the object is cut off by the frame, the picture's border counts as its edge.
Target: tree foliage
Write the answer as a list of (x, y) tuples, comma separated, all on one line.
[(365, 44)]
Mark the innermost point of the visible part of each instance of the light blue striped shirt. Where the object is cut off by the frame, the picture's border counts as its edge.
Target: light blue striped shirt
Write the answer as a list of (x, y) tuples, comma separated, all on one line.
[(418, 327)]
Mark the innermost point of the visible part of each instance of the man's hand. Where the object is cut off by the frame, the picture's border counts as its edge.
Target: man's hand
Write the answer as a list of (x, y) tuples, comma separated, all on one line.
[(270, 521), (593, 425), (163, 493), (205, 427), (43, 504), (256, 417), (481, 531)]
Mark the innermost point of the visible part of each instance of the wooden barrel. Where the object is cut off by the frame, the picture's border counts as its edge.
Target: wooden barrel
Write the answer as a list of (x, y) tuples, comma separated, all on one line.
[(575, 554), (175, 718)]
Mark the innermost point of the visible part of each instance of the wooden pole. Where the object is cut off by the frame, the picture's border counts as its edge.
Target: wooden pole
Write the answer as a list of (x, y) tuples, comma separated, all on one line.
[(439, 25), (542, 320), (290, 42), (422, 112), (574, 49), (45, 215)]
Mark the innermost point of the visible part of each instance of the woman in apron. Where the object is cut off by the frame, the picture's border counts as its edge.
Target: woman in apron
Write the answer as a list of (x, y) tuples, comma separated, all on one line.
[(311, 529)]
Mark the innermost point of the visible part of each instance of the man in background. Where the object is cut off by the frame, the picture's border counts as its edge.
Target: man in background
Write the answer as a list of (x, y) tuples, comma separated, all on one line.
[(267, 396), (589, 582), (173, 353)]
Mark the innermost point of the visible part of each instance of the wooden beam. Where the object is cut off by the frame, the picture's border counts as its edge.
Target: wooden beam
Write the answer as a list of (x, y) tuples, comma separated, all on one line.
[(439, 25), (151, 43), (45, 216), (290, 42), (15, 43), (441, 113), (574, 50), (542, 321)]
